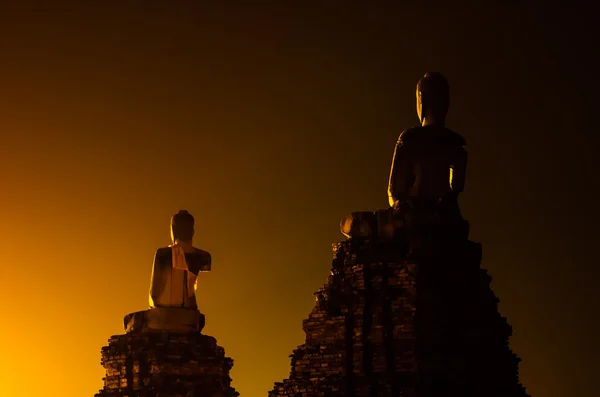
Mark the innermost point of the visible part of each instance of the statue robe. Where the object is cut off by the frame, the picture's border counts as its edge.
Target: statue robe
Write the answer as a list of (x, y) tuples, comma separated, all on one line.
[(174, 275)]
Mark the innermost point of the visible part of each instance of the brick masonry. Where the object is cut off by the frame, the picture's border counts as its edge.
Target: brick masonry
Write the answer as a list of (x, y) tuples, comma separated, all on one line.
[(390, 323), (162, 364)]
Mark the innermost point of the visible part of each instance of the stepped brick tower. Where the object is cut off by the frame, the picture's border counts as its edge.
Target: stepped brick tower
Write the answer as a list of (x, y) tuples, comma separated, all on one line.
[(388, 323), (157, 363)]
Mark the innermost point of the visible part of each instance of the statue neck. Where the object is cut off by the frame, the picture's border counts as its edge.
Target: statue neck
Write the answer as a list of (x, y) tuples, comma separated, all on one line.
[(428, 120)]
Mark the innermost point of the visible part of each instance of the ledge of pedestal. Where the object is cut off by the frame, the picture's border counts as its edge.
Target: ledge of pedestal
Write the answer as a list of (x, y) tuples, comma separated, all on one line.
[(165, 319)]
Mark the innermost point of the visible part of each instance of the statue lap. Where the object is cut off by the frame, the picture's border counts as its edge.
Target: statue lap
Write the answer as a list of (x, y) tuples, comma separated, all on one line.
[(169, 319), (415, 219)]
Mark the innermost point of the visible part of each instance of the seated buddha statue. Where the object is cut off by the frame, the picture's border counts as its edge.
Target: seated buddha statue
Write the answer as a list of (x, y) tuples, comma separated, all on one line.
[(173, 306), (176, 267)]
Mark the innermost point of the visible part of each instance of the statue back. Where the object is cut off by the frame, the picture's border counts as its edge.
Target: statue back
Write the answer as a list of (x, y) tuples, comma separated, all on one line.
[(432, 160), (172, 287)]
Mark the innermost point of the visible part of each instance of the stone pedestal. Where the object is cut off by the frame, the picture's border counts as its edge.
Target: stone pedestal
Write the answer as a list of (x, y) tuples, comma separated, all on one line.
[(162, 356), (390, 323)]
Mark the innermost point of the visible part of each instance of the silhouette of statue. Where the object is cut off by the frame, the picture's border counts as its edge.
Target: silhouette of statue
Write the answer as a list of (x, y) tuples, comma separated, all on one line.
[(176, 267), (173, 284), (427, 175), (429, 163)]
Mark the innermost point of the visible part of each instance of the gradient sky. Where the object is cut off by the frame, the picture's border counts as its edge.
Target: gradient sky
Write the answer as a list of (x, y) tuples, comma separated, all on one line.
[(269, 124)]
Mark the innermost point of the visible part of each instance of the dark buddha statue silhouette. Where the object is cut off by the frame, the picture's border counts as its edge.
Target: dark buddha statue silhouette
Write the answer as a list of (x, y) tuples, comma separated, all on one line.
[(176, 267), (427, 174), (430, 161)]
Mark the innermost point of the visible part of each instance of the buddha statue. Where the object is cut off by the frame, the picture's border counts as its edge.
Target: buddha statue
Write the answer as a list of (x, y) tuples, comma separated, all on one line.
[(429, 163), (173, 283), (427, 174), (176, 267)]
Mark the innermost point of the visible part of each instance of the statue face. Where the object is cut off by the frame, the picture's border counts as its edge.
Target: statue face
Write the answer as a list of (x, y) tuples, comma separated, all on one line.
[(419, 106)]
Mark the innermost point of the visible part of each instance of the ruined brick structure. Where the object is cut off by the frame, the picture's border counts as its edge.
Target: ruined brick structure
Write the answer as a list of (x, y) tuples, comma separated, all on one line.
[(390, 323), (163, 364)]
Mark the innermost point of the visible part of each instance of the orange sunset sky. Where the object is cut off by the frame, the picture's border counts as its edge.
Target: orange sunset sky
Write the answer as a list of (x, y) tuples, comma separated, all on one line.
[(268, 124)]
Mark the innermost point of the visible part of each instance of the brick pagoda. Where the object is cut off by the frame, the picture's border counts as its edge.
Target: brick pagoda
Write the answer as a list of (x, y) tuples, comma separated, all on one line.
[(391, 322), (165, 364)]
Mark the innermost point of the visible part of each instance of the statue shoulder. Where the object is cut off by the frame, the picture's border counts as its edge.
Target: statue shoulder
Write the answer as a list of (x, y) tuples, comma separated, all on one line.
[(199, 260), (204, 254), (457, 138), (460, 140), (408, 135), (164, 252)]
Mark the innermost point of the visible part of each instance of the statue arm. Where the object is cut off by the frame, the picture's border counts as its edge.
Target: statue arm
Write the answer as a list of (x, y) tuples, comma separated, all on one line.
[(393, 172), (156, 281), (396, 177), (206, 262), (459, 171)]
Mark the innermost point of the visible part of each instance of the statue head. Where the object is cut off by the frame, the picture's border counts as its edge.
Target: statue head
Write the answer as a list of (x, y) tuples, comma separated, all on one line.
[(182, 227), (433, 98)]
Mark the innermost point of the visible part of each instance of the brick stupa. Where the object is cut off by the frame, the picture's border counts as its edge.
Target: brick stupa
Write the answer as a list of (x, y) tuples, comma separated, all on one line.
[(394, 323)]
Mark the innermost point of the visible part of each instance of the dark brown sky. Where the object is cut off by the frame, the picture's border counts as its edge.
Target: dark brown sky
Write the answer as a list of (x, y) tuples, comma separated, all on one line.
[(269, 124)]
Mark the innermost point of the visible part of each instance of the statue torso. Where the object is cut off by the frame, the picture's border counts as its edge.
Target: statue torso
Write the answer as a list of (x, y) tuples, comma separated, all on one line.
[(197, 261), (428, 154), (171, 287)]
